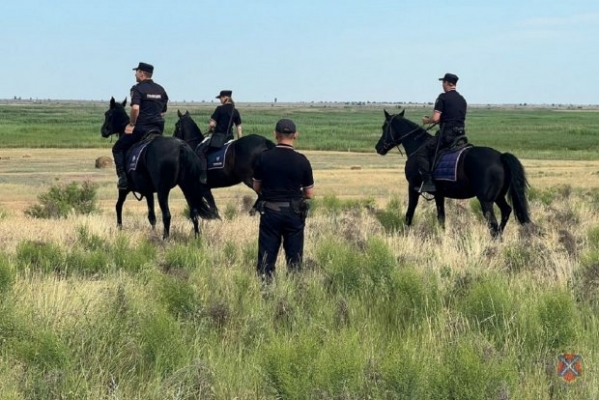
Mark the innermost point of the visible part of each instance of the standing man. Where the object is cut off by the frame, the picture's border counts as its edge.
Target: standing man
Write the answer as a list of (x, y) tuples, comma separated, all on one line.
[(450, 114), (148, 105), (283, 179)]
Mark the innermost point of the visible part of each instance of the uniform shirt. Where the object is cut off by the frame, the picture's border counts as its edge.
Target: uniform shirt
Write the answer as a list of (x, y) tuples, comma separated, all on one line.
[(283, 173), (151, 99), (222, 116), (452, 107)]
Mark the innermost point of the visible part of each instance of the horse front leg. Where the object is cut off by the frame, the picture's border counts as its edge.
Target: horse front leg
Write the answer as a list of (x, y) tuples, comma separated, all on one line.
[(440, 202), (413, 197), (151, 212), (119, 208), (489, 214), (166, 212)]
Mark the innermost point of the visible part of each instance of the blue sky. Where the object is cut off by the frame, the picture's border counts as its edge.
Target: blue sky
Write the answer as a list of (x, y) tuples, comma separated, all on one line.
[(524, 51)]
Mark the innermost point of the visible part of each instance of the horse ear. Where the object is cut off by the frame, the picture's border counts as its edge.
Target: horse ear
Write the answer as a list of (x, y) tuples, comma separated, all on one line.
[(124, 103), (387, 115), (187, 113), (402, 112), (179, 114), (112, 102)]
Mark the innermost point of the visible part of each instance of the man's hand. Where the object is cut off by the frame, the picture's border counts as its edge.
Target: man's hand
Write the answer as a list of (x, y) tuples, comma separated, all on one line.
[(426, 120), (129, 129)]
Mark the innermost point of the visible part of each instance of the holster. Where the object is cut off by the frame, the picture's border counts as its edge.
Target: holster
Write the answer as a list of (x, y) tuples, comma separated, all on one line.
[(300, 207)]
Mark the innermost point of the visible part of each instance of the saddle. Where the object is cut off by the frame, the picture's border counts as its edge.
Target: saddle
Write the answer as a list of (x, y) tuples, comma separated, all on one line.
[(135, 152), (445, 165)]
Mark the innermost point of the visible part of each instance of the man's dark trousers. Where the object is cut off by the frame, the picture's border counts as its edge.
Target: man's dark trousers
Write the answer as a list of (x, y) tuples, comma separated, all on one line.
[(276, 226)]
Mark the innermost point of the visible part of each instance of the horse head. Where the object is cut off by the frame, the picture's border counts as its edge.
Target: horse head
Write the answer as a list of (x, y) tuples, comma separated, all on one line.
[(395, 129), (187, 130), (115, 118)]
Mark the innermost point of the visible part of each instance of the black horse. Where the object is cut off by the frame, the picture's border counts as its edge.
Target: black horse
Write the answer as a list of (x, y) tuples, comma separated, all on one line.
[(482, 172), (241, 154), (164, 163)]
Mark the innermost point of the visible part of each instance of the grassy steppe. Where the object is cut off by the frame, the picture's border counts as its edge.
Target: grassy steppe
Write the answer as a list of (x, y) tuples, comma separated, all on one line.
[(380, 311)]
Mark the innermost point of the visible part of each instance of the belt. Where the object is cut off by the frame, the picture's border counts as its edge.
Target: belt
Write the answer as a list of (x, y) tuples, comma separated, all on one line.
[(276, 205)]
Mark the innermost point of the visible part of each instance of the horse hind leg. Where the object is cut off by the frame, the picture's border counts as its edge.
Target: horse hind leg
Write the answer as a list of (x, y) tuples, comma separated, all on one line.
[(489, 214), (166, 213), (506, 211), (151, 212)]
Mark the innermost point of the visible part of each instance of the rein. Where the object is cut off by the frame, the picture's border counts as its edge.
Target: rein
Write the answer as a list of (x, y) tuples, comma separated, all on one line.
[(397, 141)]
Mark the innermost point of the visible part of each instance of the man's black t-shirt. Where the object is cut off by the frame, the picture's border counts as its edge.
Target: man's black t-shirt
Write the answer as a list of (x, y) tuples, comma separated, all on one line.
[(283, 173), (222, 116), (452, 107), (152, 100)]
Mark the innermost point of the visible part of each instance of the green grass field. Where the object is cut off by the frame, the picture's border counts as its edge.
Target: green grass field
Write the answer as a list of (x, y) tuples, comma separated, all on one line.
[(381, 310), (528, 133)]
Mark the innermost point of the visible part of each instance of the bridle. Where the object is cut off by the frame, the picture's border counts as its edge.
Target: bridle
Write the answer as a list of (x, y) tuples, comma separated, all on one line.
[(395, 142)]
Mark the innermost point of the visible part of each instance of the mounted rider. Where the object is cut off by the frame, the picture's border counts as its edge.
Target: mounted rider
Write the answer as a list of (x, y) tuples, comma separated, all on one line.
[(450, 113), (148, 105), (221, 126)]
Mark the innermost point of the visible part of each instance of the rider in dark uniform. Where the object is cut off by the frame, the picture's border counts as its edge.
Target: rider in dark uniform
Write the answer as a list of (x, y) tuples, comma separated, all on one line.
[(221, 126), (283, 179), (148, 105), (450, 114)]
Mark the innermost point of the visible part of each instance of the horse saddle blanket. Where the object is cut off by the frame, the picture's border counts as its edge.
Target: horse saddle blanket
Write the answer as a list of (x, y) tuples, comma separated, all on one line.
[(134, 154), (216, 157), (446, 168)]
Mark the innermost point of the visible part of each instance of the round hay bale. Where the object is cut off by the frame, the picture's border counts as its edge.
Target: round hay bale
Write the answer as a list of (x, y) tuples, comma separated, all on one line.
[(104, 162), (355, 168)]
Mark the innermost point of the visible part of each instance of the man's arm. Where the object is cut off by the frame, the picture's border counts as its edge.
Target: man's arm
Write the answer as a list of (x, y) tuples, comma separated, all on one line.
[(239, 131), (308, 192), (134, 114), (257, 186), (432, 120)]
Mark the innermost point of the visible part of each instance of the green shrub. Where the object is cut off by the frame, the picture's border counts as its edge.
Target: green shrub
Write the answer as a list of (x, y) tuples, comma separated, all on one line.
[(334, 205), (162, 343), (61, 200), (545, 197), (87, 263), (132, 259), (230, 212), (593, 237), (392, 217), (7, 275), (90, 241), (343, 266), (470, 369), (519, 257), (559, 319), (488, 304), (40, 256), (178, 296), (288, 365)]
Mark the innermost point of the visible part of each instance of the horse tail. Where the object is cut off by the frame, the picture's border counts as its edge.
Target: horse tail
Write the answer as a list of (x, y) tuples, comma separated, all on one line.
[(518, 186), (197, 195)]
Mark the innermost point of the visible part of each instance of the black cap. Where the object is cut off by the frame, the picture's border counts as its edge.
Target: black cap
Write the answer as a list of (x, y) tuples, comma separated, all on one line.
[(144, 67), (285, 126), (451, 78), (224, 93)]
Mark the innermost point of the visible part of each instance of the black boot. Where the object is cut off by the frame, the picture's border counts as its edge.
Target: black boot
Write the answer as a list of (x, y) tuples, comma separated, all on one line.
[(427, 184), (119, 163)]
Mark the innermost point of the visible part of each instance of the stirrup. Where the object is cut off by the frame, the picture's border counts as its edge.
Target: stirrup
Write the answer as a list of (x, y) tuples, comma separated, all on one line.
[(427, 187)]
